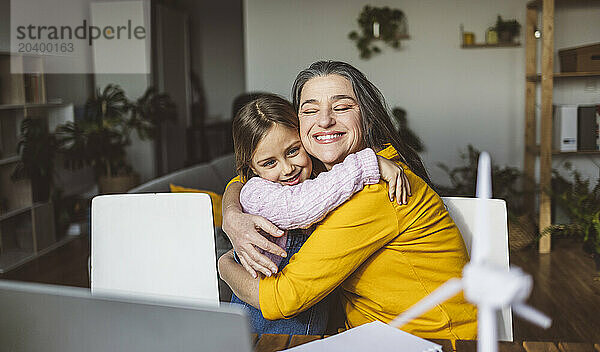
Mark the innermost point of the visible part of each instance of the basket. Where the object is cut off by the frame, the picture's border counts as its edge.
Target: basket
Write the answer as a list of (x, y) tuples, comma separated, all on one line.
[(521, 232)]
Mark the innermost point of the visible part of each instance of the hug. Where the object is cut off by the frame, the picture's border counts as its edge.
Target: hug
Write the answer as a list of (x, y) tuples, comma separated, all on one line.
[(329, 207)]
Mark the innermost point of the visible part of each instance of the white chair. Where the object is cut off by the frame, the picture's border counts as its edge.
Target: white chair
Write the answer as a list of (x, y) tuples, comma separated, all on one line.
[(158, 245), (463, 211)]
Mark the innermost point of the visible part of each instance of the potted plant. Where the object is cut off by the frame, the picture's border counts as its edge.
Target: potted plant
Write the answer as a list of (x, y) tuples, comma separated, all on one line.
[(36, 148), (100, 139), (379, 23), (507, 30), (581, 204), (506, 183)]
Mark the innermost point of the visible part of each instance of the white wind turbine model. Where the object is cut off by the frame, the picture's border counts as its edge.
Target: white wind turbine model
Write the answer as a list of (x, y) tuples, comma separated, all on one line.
[(489, 287)]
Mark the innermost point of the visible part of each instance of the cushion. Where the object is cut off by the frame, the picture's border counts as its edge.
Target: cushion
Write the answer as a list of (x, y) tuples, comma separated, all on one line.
[(217, 200)]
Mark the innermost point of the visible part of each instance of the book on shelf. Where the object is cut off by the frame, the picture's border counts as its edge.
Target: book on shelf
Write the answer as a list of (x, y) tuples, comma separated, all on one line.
[(586, 127), (565, 128), (598, 127), (33, 88)]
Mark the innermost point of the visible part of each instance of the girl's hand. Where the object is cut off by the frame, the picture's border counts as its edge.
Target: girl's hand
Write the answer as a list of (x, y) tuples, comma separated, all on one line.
[(396, 179), (242, 230)]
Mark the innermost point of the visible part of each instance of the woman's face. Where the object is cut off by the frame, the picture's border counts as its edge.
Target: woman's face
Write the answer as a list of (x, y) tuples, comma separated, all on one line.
[(330, 125), (280, 157)]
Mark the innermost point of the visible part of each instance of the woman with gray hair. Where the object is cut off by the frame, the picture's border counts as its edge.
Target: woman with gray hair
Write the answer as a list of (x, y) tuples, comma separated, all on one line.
[(384, 256)]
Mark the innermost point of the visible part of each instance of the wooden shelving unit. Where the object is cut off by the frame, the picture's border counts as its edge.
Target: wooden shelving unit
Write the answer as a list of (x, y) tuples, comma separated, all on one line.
[(484, 45), (26, 219), (538, 77), (581, 152), (546, 79)]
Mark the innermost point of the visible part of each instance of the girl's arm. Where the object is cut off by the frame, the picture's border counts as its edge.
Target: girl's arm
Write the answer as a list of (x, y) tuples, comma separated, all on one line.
[(242, 230), (304, 204)]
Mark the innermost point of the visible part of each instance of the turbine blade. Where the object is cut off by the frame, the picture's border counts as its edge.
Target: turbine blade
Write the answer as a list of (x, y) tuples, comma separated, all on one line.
[(481, 241), (484, 176), (533, 315), (441, 294)]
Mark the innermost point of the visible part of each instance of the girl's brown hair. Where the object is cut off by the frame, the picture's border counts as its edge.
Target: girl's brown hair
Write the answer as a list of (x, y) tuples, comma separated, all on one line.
[(252, 123)]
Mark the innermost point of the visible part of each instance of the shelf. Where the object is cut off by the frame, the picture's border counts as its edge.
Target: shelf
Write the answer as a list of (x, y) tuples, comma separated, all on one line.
[(12, 53), (10, 160), (483, 45), (538, 77), (581, 152), (30, 105), (14, 258), (537, 4), (15, 212), (11, 259)]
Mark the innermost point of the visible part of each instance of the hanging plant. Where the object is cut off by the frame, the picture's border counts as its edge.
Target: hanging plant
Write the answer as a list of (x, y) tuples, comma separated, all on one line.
[(379, 23)]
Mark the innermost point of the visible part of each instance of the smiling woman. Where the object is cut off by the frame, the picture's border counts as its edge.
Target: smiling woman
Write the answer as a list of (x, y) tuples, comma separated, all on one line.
[(325, 102), (340, 79), (267, 145), (383, 256)]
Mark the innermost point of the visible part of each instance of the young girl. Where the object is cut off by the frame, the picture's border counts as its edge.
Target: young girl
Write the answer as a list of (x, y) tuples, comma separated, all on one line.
[(267, 144)]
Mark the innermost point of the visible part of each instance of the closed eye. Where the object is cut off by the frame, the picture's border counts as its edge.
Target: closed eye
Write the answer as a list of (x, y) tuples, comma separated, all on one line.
[(309, 112), (341, 108)]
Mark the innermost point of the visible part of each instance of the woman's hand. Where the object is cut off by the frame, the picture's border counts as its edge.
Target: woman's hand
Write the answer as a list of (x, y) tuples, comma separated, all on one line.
[(242, 230), (396, 179)]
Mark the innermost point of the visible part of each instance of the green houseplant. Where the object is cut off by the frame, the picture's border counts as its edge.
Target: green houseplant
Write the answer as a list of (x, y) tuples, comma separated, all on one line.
[(581, 204), (99, 140), (37, 149), (506, 183), (392, 24), (507, 30)]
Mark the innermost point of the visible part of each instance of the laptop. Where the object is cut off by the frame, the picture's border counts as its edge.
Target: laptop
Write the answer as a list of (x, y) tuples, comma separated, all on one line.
[(154, 245), (38, 317)]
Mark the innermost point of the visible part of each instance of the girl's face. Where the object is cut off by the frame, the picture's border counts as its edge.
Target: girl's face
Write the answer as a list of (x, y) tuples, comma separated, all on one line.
[(280, 157)]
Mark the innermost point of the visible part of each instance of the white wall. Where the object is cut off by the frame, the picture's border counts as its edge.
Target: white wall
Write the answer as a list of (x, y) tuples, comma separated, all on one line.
[(453, 96)]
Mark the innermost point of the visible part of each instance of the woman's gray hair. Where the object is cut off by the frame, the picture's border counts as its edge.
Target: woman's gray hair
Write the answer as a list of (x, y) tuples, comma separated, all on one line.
[(376, 122)]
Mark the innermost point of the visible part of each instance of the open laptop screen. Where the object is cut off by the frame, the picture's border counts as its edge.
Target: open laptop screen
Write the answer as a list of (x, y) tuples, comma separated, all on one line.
[(36, 317)]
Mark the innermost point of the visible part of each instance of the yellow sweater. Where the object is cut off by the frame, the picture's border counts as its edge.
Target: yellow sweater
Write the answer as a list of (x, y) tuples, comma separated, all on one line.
[(385, 256)]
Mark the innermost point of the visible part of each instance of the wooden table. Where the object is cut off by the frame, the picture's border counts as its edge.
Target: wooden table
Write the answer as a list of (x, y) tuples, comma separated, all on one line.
[(272, 343)]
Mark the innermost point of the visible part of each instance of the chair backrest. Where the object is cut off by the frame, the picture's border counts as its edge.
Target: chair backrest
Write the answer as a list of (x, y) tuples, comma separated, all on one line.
[(464, 212), (154, 245)]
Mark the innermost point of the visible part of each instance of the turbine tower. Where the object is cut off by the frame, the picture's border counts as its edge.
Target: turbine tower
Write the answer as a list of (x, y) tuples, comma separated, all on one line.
[(488, 286)]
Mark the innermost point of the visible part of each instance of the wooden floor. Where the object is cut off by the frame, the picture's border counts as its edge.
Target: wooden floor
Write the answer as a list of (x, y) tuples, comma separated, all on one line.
[(564, 287), (66, 265)]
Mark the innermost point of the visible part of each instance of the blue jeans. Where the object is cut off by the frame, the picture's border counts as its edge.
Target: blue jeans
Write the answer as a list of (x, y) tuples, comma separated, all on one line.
[(312, 321)]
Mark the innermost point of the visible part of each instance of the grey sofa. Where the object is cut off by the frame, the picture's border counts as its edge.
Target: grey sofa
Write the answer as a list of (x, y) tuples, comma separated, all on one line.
[(211, 176)]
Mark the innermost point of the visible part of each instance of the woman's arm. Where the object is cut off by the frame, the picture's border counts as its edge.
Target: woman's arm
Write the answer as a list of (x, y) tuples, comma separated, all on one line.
[(304, 204), (336, 249), (242, 230), (241, 282)]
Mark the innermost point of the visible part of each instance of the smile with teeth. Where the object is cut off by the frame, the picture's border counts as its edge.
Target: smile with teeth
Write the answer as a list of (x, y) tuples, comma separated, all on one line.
[(292, 179), (327, 137)]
